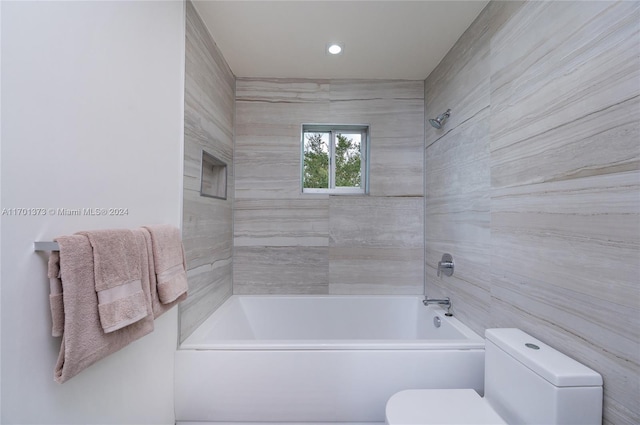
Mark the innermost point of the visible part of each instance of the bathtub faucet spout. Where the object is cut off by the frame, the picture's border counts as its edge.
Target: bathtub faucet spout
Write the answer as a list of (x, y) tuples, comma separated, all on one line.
[(445, 302)]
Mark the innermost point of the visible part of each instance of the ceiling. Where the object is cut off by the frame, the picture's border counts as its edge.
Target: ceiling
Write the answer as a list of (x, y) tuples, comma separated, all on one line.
[(382, 39)]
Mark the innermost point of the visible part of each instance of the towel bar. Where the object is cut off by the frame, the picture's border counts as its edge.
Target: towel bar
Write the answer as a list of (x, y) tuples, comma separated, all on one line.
[(46, 246)]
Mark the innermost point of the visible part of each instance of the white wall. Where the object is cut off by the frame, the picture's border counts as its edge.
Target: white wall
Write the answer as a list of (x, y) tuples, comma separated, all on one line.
[(92, 116)]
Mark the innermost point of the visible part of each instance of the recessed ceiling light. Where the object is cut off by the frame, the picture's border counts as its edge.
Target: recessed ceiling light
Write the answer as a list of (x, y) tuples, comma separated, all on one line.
[(335, 48)]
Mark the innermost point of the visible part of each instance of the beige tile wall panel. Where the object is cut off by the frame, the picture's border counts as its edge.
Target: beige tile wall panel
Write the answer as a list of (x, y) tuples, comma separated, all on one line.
[(210, 285), (565, 199), (270, 114), (282, 222), (563, 183), (375, 271), (379, 247), (457, 175), (281, 270), (362, 221), (375, 245), (207, 225), (394, 111)]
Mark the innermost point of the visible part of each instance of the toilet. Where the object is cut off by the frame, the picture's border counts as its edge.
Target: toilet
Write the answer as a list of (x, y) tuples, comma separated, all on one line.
[(526, 382)]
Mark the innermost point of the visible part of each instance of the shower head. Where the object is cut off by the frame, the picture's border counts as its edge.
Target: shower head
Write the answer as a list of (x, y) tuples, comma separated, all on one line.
[(440, 120)]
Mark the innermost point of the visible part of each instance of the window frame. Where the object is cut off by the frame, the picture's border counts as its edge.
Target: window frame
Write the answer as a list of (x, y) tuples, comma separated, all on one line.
[(332, 129)]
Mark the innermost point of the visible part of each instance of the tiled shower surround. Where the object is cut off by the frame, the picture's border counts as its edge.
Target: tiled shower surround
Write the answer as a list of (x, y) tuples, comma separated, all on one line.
[(532, 185), (287, 242), (207, 223)]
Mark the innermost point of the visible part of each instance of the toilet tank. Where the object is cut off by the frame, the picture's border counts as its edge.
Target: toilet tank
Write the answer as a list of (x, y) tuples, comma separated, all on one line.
[(528, 382)]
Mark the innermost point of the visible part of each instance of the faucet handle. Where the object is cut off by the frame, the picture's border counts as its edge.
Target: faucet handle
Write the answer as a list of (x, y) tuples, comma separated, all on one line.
[(445, 265)]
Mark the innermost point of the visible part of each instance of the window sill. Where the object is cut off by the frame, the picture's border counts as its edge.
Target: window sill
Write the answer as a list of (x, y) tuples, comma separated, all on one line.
[(336, 191)]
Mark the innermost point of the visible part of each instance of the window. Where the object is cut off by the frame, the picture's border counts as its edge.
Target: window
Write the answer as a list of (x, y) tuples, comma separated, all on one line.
[(334, 159)]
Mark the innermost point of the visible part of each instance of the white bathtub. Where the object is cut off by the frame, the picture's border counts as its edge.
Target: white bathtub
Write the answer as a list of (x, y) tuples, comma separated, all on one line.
[(319, 358)]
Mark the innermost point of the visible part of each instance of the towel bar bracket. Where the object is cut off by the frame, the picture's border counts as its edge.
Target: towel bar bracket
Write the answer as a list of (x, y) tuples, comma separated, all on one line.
[(45, 246)]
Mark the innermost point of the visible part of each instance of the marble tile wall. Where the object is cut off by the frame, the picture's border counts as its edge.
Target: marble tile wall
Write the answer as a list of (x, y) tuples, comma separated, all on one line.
[(542, 157), (287, 242), (457, 182), (207, 226)]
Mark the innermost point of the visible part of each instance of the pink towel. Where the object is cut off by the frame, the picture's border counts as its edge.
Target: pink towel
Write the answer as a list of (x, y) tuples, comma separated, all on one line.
[(158, 307), (116, 257), (84, 342), (169, 262), (55, 295)]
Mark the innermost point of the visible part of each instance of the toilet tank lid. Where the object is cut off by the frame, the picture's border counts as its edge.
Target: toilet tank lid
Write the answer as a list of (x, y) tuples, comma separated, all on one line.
[(557, 368)]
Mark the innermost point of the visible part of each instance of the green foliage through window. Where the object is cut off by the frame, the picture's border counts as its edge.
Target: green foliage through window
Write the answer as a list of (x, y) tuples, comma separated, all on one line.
[(316, 161), (347, 161), (333, 157)]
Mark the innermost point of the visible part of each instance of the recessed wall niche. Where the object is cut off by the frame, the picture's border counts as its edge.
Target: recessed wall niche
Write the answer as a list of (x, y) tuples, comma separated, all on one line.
[(213, 177)]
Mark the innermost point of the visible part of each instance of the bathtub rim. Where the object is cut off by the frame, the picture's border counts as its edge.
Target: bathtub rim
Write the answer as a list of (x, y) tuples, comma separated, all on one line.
[(472, 340)]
